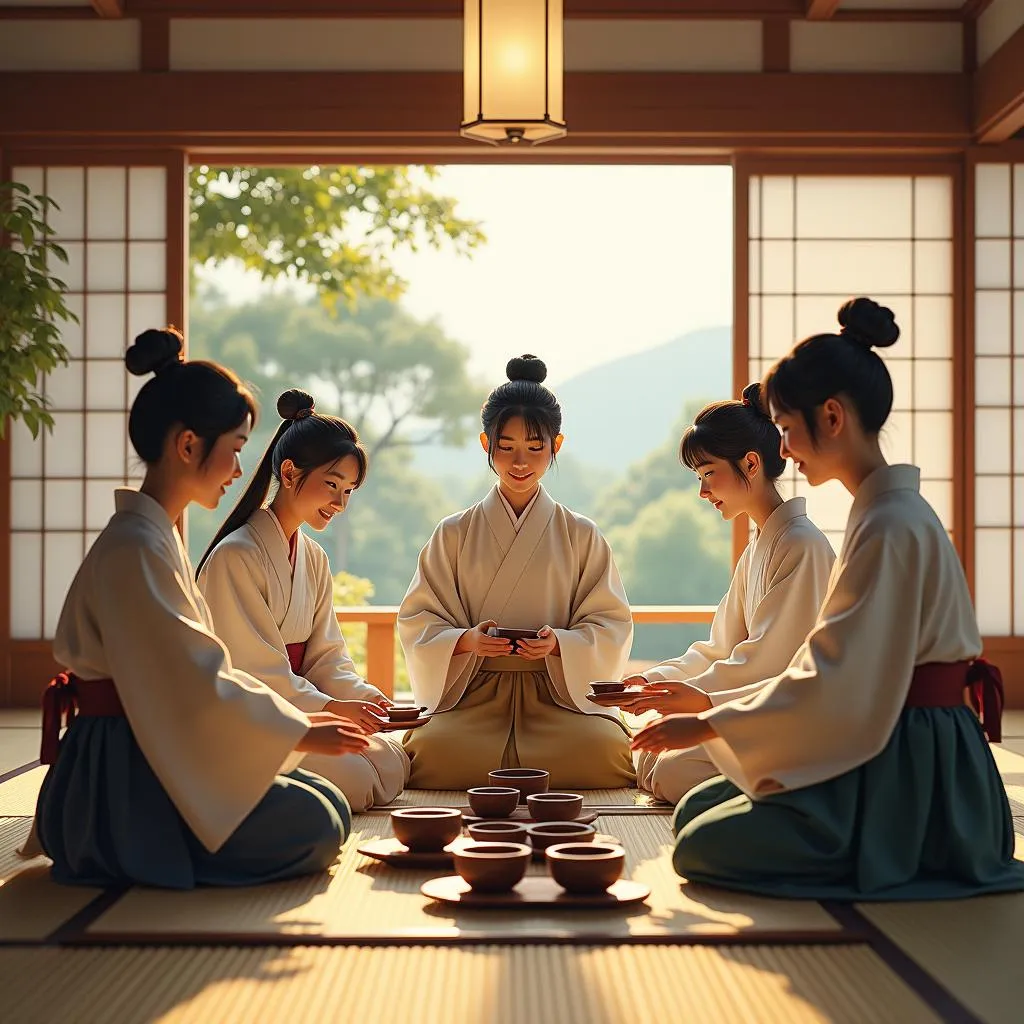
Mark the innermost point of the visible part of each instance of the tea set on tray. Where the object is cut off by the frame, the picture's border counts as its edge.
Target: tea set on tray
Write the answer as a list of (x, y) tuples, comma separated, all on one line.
[(510, 823)]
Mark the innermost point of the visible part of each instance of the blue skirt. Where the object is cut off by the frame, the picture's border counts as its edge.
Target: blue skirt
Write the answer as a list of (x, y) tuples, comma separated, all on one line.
[(926, 819), (104, 819)]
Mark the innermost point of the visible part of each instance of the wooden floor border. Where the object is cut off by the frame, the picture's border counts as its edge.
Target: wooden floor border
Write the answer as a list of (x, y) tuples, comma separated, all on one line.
[(906, 968)]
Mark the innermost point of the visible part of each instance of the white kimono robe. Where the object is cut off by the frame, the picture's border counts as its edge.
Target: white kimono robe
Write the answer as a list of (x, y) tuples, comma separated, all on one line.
[(215, 737), (260, 606), (770, 607), (897, 598), (552, 568)]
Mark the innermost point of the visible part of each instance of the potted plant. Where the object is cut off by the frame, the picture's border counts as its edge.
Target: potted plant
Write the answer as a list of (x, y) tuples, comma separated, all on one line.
[(31, 307)]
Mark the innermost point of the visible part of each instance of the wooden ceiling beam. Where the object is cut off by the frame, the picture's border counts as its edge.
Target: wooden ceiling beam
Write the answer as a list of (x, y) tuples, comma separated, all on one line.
[(108, 8), (820, 10), (999, 92), (412, 107)]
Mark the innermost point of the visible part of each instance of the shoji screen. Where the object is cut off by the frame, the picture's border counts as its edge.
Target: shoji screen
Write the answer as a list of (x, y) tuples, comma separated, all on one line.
[(817, 240), (113, 222)]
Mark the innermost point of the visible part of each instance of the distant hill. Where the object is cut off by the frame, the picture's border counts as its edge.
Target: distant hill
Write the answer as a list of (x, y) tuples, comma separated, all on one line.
[(615, 413)]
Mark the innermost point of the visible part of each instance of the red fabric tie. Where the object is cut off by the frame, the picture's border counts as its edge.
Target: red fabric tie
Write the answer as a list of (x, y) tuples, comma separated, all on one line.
[(945, 684), (296, 655), (65, 699)]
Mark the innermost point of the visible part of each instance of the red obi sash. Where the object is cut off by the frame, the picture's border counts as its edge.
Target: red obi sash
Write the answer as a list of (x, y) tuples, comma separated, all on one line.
[(296, 655), (65, 698), (943, 685)]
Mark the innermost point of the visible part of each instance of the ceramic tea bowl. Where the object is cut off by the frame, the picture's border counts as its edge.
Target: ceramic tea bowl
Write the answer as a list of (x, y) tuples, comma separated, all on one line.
[(606, 688), (499, 832), (585, 867), (493, 801), (526, 780), (426, 829), (492, 867), (551, 833), (554, 806), (404, 712)]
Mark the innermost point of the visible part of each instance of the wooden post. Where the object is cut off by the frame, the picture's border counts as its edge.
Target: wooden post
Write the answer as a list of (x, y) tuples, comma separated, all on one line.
[(380, 656)]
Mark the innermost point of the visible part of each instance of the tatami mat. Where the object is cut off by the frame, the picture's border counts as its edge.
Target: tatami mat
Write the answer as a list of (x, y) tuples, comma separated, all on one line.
[(32, 906), (21, 718), (18, 795), (427, 985), (17, 747), (13, 833), (973, 947), (367, 900)]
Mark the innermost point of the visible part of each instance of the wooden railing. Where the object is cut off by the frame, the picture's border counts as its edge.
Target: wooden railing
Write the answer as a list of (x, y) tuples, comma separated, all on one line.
[(380, 632)]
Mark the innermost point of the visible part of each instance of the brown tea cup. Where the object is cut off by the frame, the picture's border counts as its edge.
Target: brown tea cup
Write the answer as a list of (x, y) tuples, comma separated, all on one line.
[(605, 688), (492, 867), (499, 832), (526, 780), (426, 829), (555, 806), (585, 867), (552, 833), (404, 712), (493, 801), (512, 634)]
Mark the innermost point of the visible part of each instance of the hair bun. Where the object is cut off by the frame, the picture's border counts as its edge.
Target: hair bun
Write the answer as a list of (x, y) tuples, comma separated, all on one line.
[(867, 323), (294, 405), (752, 398), (526, 367), (154, 351)]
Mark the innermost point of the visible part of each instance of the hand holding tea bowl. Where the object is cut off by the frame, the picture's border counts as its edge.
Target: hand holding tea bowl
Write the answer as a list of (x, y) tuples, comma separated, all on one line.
[(555, 806), (426, 829), (586, 868), (492, 867), (526, 780), (552, 833), (499, 832), (404, 712), (493, 801)]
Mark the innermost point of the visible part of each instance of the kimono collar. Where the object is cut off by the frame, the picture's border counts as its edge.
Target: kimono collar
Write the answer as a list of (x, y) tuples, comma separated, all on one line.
[(501, 525), (776, 522), (882, 480), (268, 531), (517, 520), (127, 499)]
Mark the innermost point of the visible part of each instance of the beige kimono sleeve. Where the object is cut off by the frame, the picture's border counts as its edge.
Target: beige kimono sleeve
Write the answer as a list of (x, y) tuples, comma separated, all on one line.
[(244, 621), (430, 621), (328, 665), (214, 736), (728, 630), (778, 627), (597, 640), (835, 706)]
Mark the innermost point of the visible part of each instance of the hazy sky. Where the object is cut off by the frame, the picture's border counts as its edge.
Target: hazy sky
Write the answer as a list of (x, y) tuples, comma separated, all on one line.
[(581, 263)]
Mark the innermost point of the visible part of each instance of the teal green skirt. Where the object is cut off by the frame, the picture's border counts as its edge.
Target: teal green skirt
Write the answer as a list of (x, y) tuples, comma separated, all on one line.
[(104, 819), (926, 819)]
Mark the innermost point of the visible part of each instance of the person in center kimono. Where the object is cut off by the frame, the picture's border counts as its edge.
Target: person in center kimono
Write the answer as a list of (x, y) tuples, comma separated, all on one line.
[(270, 589), (517, 559), (773, 598), (177, 769), (862, 771)]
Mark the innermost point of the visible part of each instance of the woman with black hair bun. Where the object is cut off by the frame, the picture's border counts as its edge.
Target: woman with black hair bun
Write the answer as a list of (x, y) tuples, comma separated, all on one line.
[(270, 589), (773, 598), (516, 560), (177, 769), (862, 771)]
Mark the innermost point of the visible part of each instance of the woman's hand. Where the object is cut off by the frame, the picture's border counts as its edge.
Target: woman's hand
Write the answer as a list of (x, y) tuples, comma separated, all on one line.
[(476, 641), (545, 644), (667, 698), (675, 732), (366, 714), (329, 734)]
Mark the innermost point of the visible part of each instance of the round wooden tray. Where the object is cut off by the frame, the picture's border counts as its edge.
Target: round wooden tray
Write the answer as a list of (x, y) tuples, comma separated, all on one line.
[(530, 893), (522, 813), (612, 700), (396, 855)]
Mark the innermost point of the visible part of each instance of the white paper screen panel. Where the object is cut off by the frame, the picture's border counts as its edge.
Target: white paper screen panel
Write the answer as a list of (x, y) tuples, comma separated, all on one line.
[(112, 222), (815, 241), (999, 398)]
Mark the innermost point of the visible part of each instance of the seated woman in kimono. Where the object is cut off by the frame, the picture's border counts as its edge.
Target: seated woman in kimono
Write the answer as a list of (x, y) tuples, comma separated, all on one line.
[(516, 559), (179, 769), (859, 772), (270, 589), (774, 595)]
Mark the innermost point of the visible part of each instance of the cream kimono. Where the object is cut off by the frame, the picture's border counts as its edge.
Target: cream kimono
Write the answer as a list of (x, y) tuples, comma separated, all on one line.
[(771, 605), (555, 569), (260, 606), (184, 787)]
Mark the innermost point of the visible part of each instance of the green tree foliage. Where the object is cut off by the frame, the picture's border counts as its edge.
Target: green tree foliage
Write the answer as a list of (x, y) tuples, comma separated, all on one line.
[(31, 304), (352, 591), (334, 227)]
